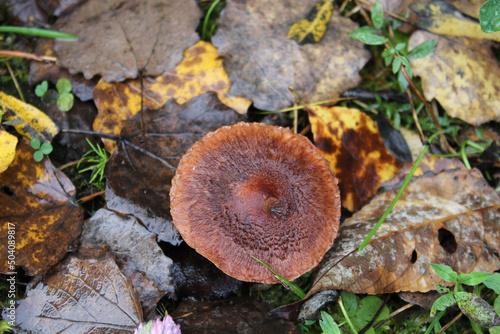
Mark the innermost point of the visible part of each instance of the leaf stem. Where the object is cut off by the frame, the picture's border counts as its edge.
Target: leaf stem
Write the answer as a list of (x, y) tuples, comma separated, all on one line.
[(346, 316)]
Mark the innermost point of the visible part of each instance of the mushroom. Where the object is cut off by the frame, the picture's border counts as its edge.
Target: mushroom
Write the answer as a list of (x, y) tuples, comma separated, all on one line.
[(256, 190)]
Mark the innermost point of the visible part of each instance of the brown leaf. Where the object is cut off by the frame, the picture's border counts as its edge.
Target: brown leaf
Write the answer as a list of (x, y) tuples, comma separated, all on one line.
[(463, 75), (232, 315), (140, 257), (452, 219), (350, 140), (84, 296), (139, 182), (39, 200), (118, 40), (262, 62)]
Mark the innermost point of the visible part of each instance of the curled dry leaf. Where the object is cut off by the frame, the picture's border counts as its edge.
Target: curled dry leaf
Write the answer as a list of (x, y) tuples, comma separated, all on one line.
[(83, 296), (263, 63), (350, 140), (200, 71), (140, 256), (472, 93), (38, 200), (139, 181), (118, 40), (452, 218)]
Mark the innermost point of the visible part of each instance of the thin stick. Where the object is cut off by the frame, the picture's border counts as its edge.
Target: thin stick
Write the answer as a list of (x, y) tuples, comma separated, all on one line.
[(90, 197), (445, 327), (20, 54), (369, 325), (15, 80), (423, 139), (392, 315)]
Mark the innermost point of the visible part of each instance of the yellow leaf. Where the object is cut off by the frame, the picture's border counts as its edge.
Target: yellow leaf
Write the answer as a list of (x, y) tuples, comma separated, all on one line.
[(30, 121), (313, 27), (350, 140), (443, 18), (199, 72), (8, 144)]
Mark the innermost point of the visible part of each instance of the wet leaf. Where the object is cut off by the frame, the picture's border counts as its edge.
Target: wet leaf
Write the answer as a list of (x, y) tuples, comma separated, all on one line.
[(140, 257), (200, 71), (488, 16), (462, 74), (443, 18), (118, 40), (30, 122), (350, 140), (424, 49), (393, 140), (83, 296), (232, 315), (262, 63), (452, 218), (313, 27), (8, 145), (368, 35), (139, 181), (442, 303), (39, 200), (477, 309)]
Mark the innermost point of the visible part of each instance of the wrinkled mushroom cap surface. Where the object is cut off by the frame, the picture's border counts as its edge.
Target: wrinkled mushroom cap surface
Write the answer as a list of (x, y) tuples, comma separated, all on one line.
[(256, 190)]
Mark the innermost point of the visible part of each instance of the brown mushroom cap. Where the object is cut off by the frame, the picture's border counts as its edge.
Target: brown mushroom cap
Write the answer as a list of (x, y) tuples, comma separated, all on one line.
[(256, 190)]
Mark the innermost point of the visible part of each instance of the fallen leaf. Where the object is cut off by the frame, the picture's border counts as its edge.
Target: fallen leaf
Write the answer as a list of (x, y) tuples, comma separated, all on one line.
[(29, 121), (8, 145), (263, 63), (136, 247), (200, 71), (452, 218), (232, 315), (350, 140), (443, 18), (120, 40), (313, 27), (139, 179), (83, 296), (462, 74), (38, 200)]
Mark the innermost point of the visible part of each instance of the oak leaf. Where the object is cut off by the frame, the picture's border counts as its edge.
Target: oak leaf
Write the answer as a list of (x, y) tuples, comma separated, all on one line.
[(452, 218), (472, 93), (39, 200), (350, 140)]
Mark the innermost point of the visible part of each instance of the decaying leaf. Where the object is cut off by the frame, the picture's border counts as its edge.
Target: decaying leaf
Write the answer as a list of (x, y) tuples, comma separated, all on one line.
[(118, 40), (139, 180), (200, 71), (350, 140), (29, 121), (452, 218), (463, 75), (8, 145), (263, 63), (38, 200), (443, 18), (84, 296), (136, 247), (313, 27)]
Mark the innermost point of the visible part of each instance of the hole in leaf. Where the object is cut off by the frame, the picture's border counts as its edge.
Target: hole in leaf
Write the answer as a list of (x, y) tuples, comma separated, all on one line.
[(447, 240), (413, 256), (7, 191)]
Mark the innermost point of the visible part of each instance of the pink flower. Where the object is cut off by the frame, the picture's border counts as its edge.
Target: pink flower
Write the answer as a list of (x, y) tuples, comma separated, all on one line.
[(165, 326)]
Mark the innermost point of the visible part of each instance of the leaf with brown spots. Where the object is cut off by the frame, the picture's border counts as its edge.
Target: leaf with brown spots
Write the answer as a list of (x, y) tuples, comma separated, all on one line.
[(200, 71), (139, 178), (82, 296), (39, 200), (452, 218), (350, 140), (462, 74), (120, 39), (8, 145), (263, 63)]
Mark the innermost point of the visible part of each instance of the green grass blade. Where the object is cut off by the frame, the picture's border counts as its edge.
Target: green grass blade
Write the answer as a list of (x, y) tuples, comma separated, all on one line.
[(38, 32), (207, 18)]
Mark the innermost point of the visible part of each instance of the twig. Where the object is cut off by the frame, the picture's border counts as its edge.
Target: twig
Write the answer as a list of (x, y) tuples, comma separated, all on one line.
[(445, 327), (400, 18), (423, 139), (369, 325), (392, 315), (90, 197), (15, 80), (20, 54)]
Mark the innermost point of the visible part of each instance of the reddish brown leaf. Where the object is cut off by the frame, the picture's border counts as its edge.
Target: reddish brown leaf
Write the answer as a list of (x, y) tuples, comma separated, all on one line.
[(452, 219), (39, 200)]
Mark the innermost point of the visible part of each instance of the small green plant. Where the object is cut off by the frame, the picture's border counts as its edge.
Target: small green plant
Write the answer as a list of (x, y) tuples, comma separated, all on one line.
[(4, 326), (62, 96), (41, 149), (328, 325), (471, 304), (98, 157)]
